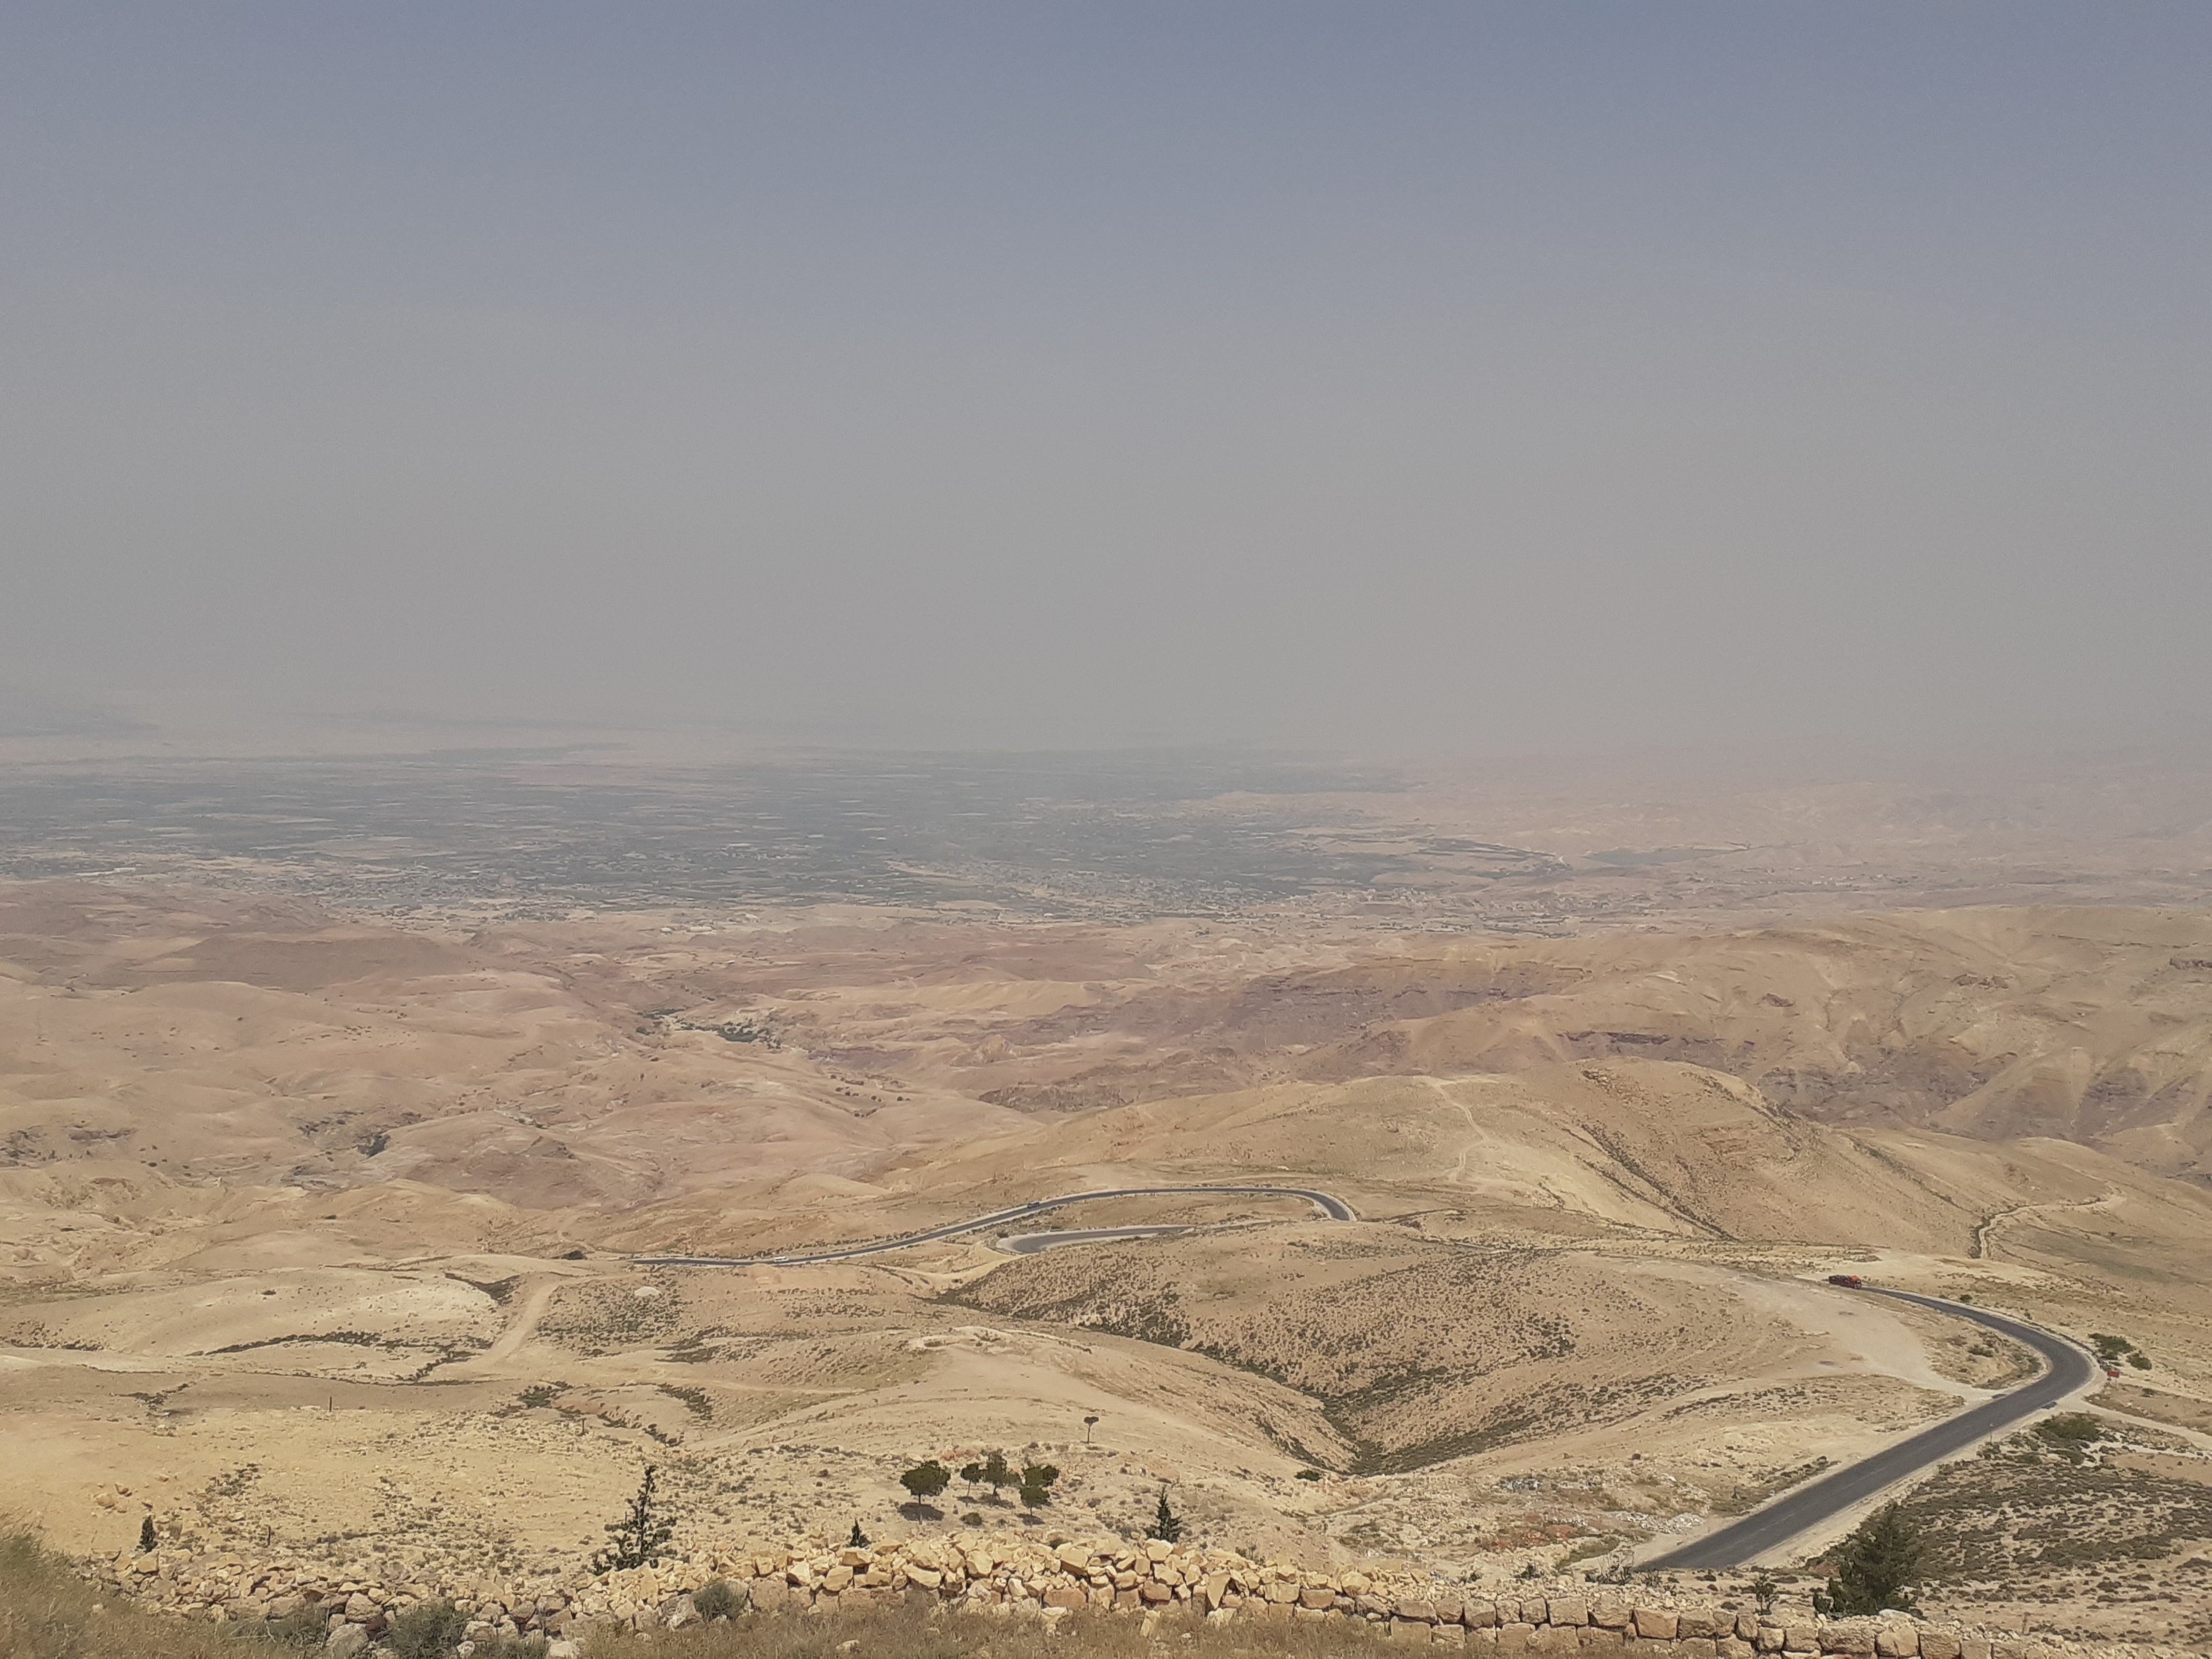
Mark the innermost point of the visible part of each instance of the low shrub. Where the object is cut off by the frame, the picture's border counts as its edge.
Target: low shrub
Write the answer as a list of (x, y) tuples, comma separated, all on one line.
[(719, 1600), (429, 1630), (2073, 1429)]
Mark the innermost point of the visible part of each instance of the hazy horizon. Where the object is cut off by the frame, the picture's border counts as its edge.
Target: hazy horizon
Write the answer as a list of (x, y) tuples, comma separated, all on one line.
[(1379, 380)]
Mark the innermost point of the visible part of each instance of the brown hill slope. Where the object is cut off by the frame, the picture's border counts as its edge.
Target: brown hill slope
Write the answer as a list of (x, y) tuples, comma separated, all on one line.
[(2088, 1025)]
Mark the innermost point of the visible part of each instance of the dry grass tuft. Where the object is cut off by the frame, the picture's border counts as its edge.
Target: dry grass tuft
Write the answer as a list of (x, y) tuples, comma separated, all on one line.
[(918, 1631), (47, 1612)]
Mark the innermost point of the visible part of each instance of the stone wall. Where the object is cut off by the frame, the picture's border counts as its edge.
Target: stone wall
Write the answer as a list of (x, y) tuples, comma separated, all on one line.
[(1011, 1578)]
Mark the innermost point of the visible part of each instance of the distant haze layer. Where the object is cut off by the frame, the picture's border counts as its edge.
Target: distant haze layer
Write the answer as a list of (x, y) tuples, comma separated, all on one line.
[(1467, 376)]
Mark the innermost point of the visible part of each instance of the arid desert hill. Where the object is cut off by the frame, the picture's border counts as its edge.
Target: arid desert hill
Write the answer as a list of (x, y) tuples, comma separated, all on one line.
[(213, 1036), (2092, 1025), (611, 1061), (289, 1195)]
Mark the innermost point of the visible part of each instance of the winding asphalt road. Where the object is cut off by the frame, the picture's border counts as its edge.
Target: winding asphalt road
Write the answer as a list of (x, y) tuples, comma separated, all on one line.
[(1031, 1243), (1330, 1206), (2067, 1370)]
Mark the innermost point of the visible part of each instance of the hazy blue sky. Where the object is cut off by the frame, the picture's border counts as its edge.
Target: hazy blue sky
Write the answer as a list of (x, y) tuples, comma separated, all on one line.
[(1389, 375)]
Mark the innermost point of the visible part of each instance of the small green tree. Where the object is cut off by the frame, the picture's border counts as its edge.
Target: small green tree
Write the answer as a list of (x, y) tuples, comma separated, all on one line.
[(1167, 1525), (1036, 1483), (926, 1481), (148, 1540), (1879, 1565), (641, 1535)]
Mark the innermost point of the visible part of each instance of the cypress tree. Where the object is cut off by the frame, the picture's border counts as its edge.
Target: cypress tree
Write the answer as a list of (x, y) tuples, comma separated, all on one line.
[(1880, 1565), (639, 1536), (1167, 1525)]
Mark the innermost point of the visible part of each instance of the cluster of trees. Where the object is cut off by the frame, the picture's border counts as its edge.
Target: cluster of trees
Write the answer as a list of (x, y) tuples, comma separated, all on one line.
[(1034, 1480), (926, 1481)]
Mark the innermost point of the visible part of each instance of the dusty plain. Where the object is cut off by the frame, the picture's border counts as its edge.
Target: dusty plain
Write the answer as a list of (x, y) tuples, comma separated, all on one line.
[(335, 1099)]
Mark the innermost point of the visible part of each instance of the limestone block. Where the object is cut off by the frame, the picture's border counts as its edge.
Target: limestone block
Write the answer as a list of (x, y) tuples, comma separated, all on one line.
[(1479, 1615), (1416, 1612), (1567, 1610), (1610, 1613), (1897, 1642), (1317, 1598), (1069, 1597), (1655, 1624), (1938, 1644)]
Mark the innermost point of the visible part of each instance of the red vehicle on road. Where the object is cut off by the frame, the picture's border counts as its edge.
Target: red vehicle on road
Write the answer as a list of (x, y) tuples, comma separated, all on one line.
[(1849, 1281)]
